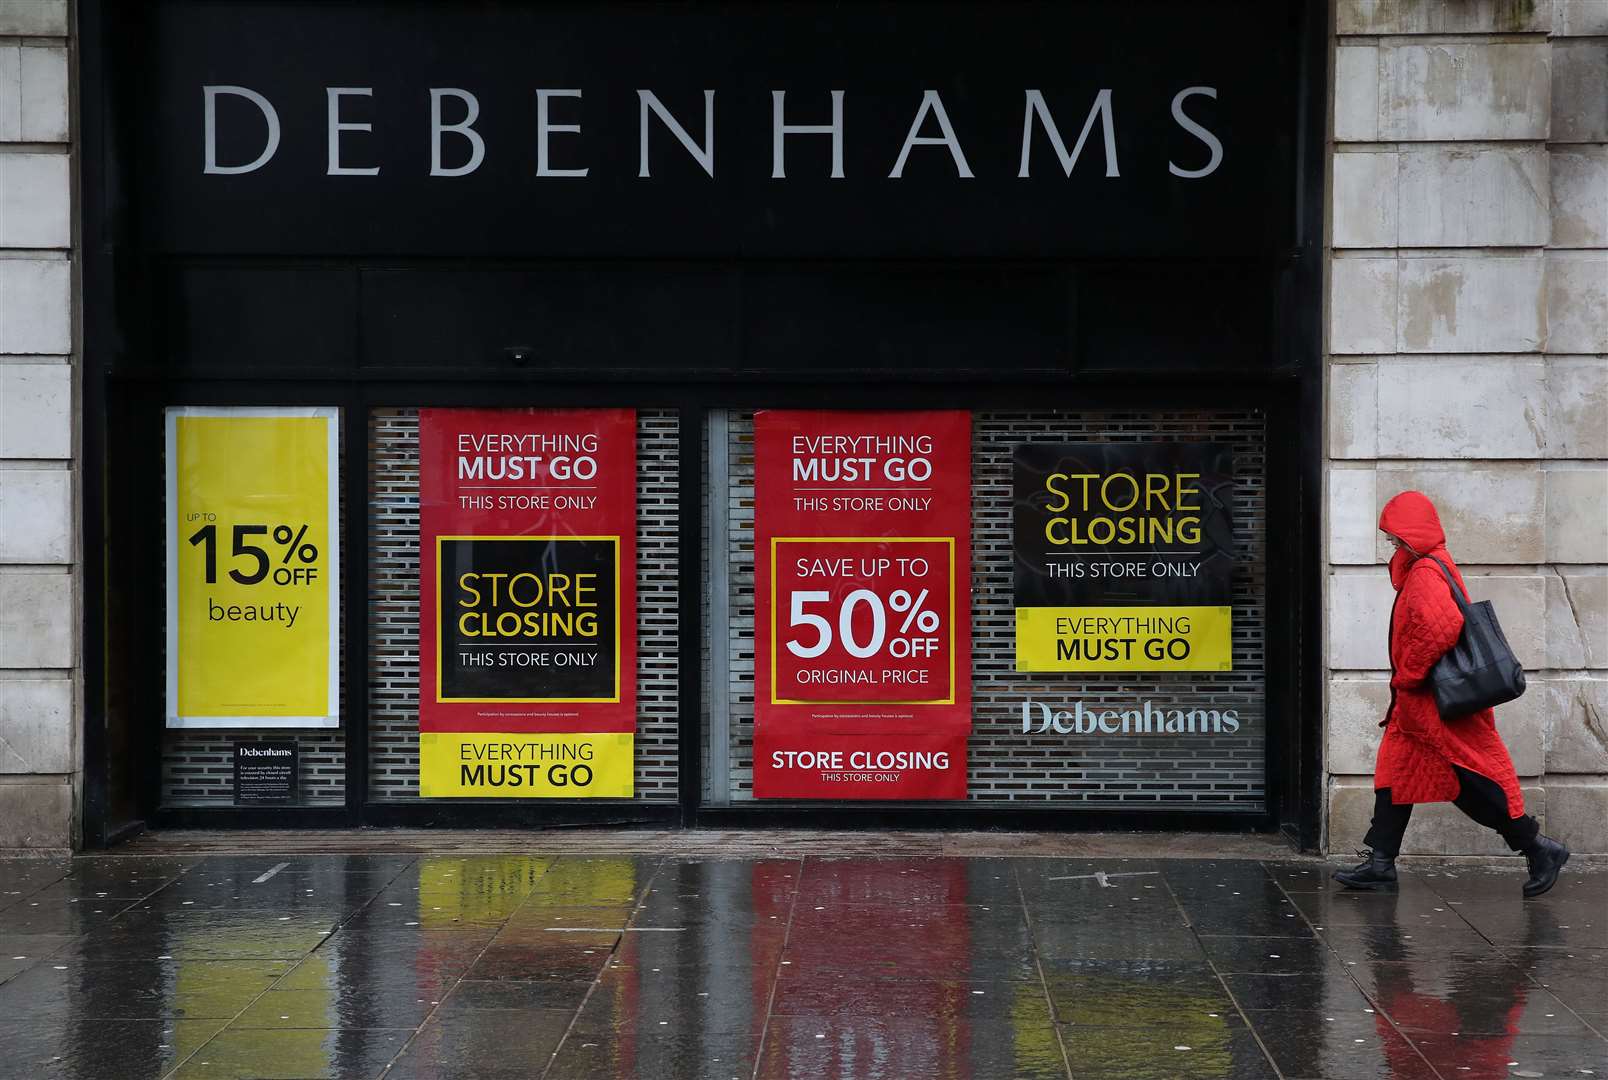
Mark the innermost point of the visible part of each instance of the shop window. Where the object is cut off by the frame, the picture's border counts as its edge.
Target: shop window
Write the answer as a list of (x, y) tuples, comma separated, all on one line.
[(1218, 766), (200, 766), (394, 601)]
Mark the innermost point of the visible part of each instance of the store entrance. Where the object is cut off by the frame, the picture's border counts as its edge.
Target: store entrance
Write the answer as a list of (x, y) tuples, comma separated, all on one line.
[(1156, 318)]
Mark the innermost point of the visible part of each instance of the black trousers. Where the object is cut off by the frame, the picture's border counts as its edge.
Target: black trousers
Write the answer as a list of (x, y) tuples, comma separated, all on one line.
[(1478, 796)]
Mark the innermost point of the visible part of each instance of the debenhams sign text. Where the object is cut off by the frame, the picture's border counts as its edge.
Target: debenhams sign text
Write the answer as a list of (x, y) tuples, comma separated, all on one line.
[(1146, 719), (458, 149)]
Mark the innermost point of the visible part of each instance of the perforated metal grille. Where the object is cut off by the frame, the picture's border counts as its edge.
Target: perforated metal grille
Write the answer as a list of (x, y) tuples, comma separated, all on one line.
[(394, 606), (198, 766), (1004, 764)]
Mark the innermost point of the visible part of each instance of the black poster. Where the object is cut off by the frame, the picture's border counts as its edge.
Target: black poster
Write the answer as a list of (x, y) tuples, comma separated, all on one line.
[(265, 773), (514, 608), (1113, 523), (1123, 556)]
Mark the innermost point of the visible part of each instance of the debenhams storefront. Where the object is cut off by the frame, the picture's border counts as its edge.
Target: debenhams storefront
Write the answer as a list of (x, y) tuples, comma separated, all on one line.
[(720, 414)]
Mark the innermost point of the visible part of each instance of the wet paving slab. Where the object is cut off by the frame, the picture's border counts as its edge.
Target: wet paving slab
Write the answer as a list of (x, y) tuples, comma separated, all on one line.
[(69, 915), (74, 1048), (633, 965), (139, 989)]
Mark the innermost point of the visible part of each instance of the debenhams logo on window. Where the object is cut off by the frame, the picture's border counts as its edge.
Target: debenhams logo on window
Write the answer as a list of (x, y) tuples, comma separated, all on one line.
[(1143, 719)]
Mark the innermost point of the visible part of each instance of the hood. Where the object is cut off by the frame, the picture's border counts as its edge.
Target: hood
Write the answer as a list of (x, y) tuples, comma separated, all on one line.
[(1410, 516)]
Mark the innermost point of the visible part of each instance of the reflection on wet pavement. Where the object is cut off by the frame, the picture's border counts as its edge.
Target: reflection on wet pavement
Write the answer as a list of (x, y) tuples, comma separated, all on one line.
[(631, 966)]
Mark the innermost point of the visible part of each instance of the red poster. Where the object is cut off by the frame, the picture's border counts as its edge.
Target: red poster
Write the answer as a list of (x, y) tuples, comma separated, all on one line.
[(527, 572), (862, 524)]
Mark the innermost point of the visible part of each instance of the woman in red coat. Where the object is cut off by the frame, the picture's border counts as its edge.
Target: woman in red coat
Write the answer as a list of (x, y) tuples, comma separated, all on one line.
[(1423, 758)]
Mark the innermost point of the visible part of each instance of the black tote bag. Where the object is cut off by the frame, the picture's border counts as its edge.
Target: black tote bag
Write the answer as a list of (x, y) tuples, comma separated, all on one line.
[(1480, 670)]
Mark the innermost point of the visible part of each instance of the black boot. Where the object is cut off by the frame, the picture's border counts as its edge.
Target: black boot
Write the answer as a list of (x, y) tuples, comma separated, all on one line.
[(1546, 858), (1376, 871)]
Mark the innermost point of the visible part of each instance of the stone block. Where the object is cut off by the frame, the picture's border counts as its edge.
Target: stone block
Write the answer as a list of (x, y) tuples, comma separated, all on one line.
[(1355, 708), (33, 18), (1356, 93), (1436, 828), (1350, 809), (1577, 729), (1577, 514), (36, 514), (38, 620), (1470, 305), (1565, 647), (36, 408), (1353, 517), (1577, 301), (1364, 200), (33, 93), (1359, 616), (1577, 812), (1359, 621), (42, 95), (1580, 195), (1577, 402), (1586, 590), (1580, 18), (1579, 103), (36, 726), (35, 306), (1520, 602), (1577, 618), (1362, 305), (10, 92), (35, 201), (1462, 407), (1493, 514), (36, 815), (1464, 90), (1467, 197), (1442, 17), (1523, 723), (1353, 411)]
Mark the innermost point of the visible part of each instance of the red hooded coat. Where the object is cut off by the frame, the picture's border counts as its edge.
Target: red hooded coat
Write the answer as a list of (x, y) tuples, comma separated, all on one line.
[(1419, 749)]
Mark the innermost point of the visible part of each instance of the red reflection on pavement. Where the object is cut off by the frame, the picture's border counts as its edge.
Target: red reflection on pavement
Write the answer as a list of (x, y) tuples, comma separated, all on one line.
[(872, 983)]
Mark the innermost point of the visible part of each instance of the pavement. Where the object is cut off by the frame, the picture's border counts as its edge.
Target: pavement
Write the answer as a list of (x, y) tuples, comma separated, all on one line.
[(246, 963)]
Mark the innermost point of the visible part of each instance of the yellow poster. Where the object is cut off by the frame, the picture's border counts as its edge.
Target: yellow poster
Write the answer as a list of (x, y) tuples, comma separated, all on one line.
[(253, 561), (1124, 639), (539, 765)]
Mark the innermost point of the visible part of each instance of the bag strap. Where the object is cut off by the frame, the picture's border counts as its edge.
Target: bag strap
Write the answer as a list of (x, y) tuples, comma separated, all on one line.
[(1451, 583)]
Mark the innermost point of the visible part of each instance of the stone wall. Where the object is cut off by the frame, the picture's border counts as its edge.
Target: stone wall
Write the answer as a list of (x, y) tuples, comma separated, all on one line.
[(39, 624), (1468, 322)]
